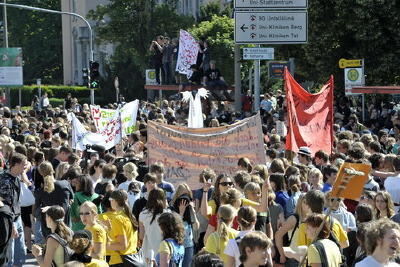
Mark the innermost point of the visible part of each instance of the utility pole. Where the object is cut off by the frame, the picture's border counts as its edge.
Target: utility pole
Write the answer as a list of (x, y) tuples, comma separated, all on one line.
[(8, 102), (238, 80)]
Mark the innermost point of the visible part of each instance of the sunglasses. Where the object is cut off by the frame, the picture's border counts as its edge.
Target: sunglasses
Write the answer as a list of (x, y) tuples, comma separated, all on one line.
[(84, 213), (226, 184), (335, 199)]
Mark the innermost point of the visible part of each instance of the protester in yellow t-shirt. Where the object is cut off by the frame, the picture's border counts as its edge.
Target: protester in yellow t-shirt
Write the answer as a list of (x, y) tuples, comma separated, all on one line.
[(88, 215), (222, 184), (82, 245), (123, 228), (315, 200), (218, 240), (332, 252), (104, 219)]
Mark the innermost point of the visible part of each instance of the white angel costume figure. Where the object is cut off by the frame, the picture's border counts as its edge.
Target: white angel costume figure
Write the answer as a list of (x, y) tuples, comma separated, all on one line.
[(195, 119)]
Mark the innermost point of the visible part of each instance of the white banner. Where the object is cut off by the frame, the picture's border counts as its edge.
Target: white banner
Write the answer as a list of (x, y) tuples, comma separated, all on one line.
[(82, 137), (188, 50), (108, 137), (101, 116)]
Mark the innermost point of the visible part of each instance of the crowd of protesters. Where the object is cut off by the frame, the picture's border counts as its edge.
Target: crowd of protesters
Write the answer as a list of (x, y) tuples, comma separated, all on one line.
[(108, 208)]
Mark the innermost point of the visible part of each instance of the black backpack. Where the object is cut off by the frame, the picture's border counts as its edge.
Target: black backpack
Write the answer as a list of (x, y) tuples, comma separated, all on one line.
[(67, 250), (333, 238)]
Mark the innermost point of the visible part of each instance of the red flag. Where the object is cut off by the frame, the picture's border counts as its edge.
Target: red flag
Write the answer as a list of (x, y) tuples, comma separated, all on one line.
[(310, 116)]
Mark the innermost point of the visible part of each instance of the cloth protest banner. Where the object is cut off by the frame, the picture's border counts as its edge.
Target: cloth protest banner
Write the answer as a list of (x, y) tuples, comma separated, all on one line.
[(101, 116), (195, 118), (108, 137), (185, 152), (82, 137), (310, 116), (188, 50), (351, 187)]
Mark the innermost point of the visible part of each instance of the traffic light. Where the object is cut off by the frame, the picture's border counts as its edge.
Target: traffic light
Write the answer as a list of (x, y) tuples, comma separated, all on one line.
[(94, 74), (85, 76)]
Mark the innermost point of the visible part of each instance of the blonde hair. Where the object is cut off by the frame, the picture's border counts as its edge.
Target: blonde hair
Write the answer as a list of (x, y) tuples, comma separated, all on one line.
[(299, 207), (251, 187), (90, 205), (316, 172), (180, 190), (61, 169), (46, 170), (131, 170), (226, 213)]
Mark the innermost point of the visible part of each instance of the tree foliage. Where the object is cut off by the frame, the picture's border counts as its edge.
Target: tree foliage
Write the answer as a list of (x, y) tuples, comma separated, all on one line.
[(132, 25), (39, 35), (219, 33)]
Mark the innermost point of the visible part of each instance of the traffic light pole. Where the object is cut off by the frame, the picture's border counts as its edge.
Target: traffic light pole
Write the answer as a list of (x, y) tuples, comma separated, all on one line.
[(62, 13)]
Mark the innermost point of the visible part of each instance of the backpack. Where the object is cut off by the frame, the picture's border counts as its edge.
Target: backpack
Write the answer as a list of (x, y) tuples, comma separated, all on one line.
[(333, 238), (67, 250), (178, 252), (322, 254)]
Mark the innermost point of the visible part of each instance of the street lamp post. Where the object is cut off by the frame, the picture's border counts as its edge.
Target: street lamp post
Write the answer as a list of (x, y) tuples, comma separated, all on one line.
[(116, 85), (91, 57)]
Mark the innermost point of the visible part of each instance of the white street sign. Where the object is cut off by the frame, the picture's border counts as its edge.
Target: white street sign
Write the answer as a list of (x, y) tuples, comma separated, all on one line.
[(271, 4), (277, 27), (251, 53), (353, 77)]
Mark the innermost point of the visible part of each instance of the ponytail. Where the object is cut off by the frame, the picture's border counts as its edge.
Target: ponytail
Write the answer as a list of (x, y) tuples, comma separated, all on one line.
[(226, 213), (223, 230), (132, 218), (63, 231), (48, 185)]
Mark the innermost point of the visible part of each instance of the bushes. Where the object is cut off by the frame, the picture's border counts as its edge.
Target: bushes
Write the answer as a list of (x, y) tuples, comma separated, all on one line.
[(56, 92)]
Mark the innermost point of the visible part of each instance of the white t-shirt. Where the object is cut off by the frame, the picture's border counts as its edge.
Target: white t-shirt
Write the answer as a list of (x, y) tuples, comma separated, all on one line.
[(392, 185), (153, 235), (345, 218), (232, 248), (371, 262)]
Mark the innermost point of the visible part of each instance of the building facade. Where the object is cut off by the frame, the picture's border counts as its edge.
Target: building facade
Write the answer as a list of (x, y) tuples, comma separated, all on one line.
[(75, 38)]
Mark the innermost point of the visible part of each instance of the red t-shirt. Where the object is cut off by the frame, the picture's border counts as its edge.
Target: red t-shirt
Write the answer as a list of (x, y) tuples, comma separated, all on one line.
[(213, 221)]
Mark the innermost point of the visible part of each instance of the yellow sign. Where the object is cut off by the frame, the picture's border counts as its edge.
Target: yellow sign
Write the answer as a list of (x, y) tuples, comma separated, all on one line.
[(345, 63)]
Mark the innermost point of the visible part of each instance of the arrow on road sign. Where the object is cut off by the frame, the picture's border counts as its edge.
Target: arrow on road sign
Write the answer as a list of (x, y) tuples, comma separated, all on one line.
[(244, 28)]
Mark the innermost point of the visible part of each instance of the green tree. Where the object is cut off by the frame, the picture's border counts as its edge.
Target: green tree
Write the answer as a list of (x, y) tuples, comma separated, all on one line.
[(132, 25), (212, 8), (39, 35), (219, 33)]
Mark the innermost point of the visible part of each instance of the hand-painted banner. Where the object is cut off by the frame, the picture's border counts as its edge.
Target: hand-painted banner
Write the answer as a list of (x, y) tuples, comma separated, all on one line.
[(188, 50), (185, 152), (310, 117), (108, 137), (82, 137), (101, 116)]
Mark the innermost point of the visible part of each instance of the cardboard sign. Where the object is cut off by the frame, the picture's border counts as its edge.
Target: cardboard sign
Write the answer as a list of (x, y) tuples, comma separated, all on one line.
[(350, 188), (185, 152)]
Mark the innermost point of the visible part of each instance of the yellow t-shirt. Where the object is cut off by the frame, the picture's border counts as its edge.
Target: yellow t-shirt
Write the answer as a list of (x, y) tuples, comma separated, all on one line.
[(337, 229), (105, 217), (122, 226), (332, 252), (164, 247), (217, 245), (99, 235), (245, 202), (96, 263)]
